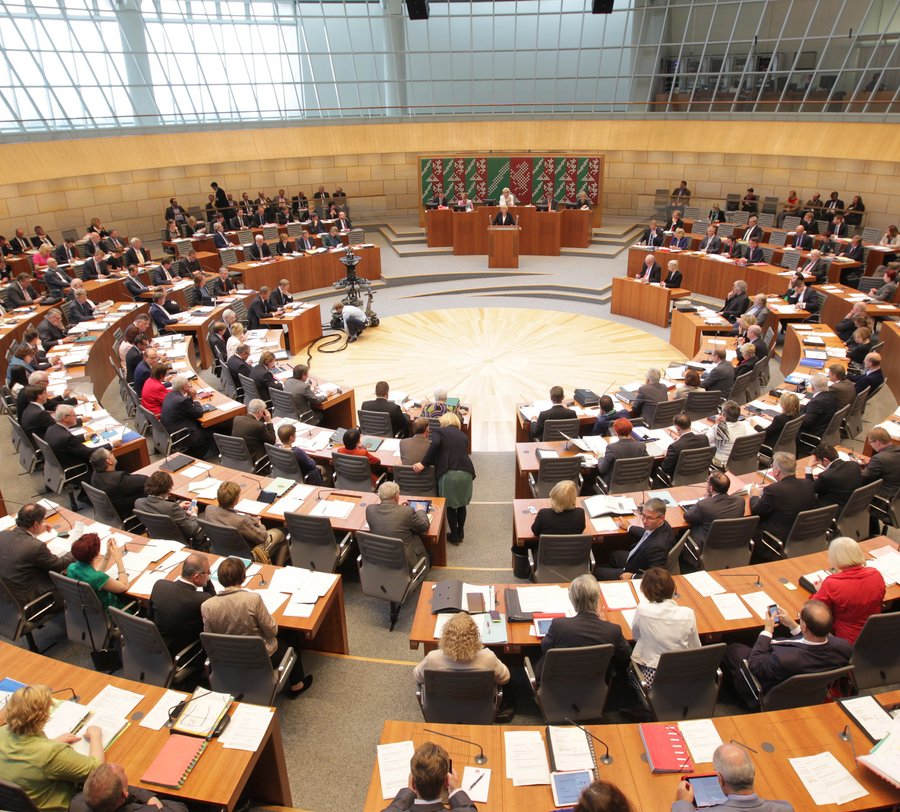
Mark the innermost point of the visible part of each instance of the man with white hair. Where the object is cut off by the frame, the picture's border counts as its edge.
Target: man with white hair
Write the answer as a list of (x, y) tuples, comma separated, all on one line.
[(650, 392), (255, 428), (80, 309), (229, 317), (136, 255), (819, 411), (390, 518), (41, 378), (737, 301), (181, 412), (736, 773), (69, 449), (260, 249)]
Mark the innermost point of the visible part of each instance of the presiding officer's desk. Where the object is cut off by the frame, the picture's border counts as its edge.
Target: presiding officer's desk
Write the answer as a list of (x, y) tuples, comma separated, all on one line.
[(839, 300), (645, 302), (220, 777), (778, 579), (771, 739)]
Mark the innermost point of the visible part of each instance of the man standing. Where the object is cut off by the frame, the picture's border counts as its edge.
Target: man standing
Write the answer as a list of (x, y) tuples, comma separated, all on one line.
[(413, 449), (390, 518)]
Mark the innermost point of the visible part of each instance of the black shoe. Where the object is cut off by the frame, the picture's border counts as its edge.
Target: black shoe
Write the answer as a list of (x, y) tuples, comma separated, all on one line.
[(461, 534), (351, 339), (452, 538), (307, 684), (505, 715)]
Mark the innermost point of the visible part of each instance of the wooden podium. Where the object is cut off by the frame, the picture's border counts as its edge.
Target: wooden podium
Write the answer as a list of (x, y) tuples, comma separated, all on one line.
[(503, 246), (636, 300)]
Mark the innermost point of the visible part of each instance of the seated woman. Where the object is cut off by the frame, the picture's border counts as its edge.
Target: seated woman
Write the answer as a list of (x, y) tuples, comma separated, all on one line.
[(853, 214), (460, 649), (563, 517), (41, 255), (439, 406), (660, 625), (252, 530), (24, 357), (859, 345), (728, 427), (48, 770), (691, 384), (854, 592), (680, 240), (155, 390), (790, 410), (89, 566), (238, 611), (353, 446), (172, 234), (237, 338), (791, 208), (747, 353)]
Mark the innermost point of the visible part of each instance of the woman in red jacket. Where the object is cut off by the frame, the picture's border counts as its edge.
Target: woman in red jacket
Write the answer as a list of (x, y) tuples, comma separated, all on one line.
[(353, 446), (854, 592), (155, 390)]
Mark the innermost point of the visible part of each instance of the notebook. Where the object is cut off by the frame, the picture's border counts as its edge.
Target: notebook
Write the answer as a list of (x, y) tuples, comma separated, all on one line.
[(666, 749), (175, 761)]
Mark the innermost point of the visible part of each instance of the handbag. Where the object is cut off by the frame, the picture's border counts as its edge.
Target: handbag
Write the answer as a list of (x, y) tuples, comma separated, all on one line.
[(103, 659)]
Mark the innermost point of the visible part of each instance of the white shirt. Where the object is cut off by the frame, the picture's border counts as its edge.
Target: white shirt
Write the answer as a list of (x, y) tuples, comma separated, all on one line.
[(351, 312), (507, 200), (741, 428), (231, 346), (661, 627)]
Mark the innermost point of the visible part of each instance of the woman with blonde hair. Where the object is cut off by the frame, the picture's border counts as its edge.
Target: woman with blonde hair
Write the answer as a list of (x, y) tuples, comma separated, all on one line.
[(563, 517), (460, 649), (854, 592), (41, 256), (237, 338), (790, 410), (48, 770)]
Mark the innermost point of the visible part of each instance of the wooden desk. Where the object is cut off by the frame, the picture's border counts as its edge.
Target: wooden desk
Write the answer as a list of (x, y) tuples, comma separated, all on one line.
[(220, 777), (13, 327), (586, 419), (793, 350), (311, 271), (890, 356), (543, 233), (636, 300), (503, 243), (689, 329), (839, 300), (198, 325), (438, 228), (304, 325), (576, 228)]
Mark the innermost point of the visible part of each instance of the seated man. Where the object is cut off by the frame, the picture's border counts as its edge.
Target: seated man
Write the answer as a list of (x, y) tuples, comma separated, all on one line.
[(69, 449), (779, 503), (158, 489), (133, 283), (716, 504), (649, 392), (52, 331), (262, 375), (589, 626), (306, 400), (136, 254), (399, 420), (55, 279), (94, 267), (222, 284), (252, 530), (159, 313), (737, 301), (625, 446), (122, 488), (332, 239), (650, 545), (81, 309), (21, 292), (431, 776), (181, 411), (736, 773), (255, 428), (287, 433), (872, 376), (720, 377), (259, 250), (810, 648), (175, 605), (390, 518), (556, 412), (281, 296), (237, 364), (35, 419), (838, 479), (653, 235), (650, 272), (413, 449), (821, 408), (107, 790), (687, 438), (884, 464), (711, 242), (803, 297), (607, 416)]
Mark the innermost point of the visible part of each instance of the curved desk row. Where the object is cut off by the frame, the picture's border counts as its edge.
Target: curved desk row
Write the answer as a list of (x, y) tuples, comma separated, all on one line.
[(310, 271)]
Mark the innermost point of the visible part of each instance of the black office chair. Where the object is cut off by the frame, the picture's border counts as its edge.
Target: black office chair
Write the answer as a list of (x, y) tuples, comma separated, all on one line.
[(560, 429), (853, 520), (662, 415), (459, 697), (627, 474), (808, 535), (224, 540), (18, 621), (552, 470), (698, 405), (385, 573), (573, 685), (797, 691), (686, 684), (561, 558), (375, 424), (744, 456), (876, 655), (240, 664), (14, 799), (413, 484), (315, 545), (691, 467), (728, 544)]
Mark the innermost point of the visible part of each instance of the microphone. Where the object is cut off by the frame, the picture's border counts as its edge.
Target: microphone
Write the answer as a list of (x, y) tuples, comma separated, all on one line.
[(606, 758), (741, 744), (75, 696), (846, 735), (253, 482), (481, 758), (757, 583)]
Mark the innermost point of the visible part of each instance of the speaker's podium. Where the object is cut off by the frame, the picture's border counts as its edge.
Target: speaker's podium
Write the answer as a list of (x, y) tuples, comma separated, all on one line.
[(503, 246)]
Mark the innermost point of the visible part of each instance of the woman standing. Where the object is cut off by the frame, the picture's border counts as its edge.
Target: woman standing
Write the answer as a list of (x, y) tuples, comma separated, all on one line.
[(449, 454)]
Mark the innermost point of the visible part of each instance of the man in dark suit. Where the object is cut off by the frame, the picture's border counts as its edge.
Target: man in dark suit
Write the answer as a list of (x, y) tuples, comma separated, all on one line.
[(21, 292), (809, 649), (821, 408), (113, 242), (237, 364), (648, 393), (813, 266), (281, 296), (390, 518), (838, 228), (263, 377), (854, 249), (20, 243), (687, 439), (25, 560), (800, 240), (589, 626), (872, 376), (41, 238), (884, 463), (731, 248), (175, 605), (838, 480), (673, 275), (711, 242), (159, 312), (94, 267), (438, 198), (222, 204), (261, 307), (65, 252), (305, 242), (753, 229), (255, 428), (653, 235), (52, 331), (779, 503), (174, 211), (121, 487), (676, 222), (343, 222), (285, 245), (431, 779), (626, 446), (650, 545), (556, 412), (737, 301), (720, 377), (804, 297), (754, 252), (136, 255), (133, 283), (181, 411), (217, 341), (223, 284), (164, 274), (259, 250), (81, 309), (240, 220), (650, 271), (35, 419), (55, 279), (69, 449), (717, 504), (219, 238), (833, 206), (607, 415), (40, 378), (399, 420), (843, 389)]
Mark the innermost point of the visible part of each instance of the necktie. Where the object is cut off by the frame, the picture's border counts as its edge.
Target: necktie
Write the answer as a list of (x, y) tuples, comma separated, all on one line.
[(27, 295), (634, 549)]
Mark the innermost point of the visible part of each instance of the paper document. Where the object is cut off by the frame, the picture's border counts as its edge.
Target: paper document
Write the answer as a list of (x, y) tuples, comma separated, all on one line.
[(271, 599), (628, 615), (617, 595), (546, 599), (730, 606), (827, 780), (605, 524), (251, 507), (65, 716), (570, 748), (116, 701), (144, 584), (333, 509), (704, 583), (701, 737), (525, 757), (393, 767), (110, 724), (870, 715), (247, 728), (159, 714), (476, 781), (758, 602)]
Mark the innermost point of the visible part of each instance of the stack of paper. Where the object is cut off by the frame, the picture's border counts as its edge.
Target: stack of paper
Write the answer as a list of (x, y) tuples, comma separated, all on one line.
[(247, 728), (526, 758), (617, 595), (827, 780), (550, 600), (759, 602), (393, 766), (704, 583), (730, 606), (701, 737)]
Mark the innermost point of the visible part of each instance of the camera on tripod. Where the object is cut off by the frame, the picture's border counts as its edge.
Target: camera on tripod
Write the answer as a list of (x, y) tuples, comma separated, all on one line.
[(354, 288)]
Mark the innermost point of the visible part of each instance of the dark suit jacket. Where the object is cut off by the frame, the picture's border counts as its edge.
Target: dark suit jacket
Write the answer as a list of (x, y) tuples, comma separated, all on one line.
[(779, 503), (278, 299), (282, 248), (648, 393), (835, 484), (220, 240), (773, 431), (854, 252), (180, 412), (135, 287), (736, 306), (449, 451), (711, 244), (585, 629), (25, 562), (91, 270), (755, 254), (654, 238), (175, 609), (56, 281), (50, 334), (238, 366), (80, 311), (885, 465), (135, 257), (258, 252), (221, 288), (670, 226), (132, 358), (69, 449), (201, 295), (15, 297), (259, 309), (160, 316), (653, 552), (405, 799), (719, 506), (254, 433), (655, 272), (719, 378), (36, 241), (623, 448), (217, 343), (603, 423), (673, 279), (796, 241), (818, 413), (62, 255), (556, 412), (399, 421), (19, 245), (686, 441), (121, 487), (137, 801), (810, 300), (264, 380), (305, 245), (501, 220), (35, 420), (756, 231), (773, 662), (872, 379)]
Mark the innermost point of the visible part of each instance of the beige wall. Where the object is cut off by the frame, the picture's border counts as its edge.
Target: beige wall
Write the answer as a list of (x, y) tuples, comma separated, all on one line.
[(127, 180)]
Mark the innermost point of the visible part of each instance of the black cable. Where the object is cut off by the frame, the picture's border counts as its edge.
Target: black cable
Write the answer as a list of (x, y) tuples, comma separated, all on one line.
[(329, 339)]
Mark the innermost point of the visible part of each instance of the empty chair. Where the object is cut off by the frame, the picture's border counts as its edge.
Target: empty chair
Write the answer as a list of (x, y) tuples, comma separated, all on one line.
[(661, 415), (797, 691), (790, 260), (686, 684), (769, 209), (754, 386), (739, 389), (384, 571), (284, 406), (853, 422), (294, 230), (560, 429), (744, 456), (314, 544), (159, 526), (270, 232), (573, 683), (413, 484), (627, 474), (459, 697), (673, 559), (17, 621), (228, 256), (561, 558), (698, 405), (240, 664), (105, 511), (87, 622), (790, 222), (727, 545), (375, 424), (59, 479), (356, 236), (691, 467), (164, 441), (29, 456), (853, 520), (145, 657), (552, 470), (768, 253), (352, 473), (250, 390), (876, 655), (832, 434), (233, 453), (809, 533), (224, 540)]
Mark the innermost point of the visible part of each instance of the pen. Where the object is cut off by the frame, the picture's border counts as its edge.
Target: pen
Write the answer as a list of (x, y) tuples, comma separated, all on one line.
[(472, 785)]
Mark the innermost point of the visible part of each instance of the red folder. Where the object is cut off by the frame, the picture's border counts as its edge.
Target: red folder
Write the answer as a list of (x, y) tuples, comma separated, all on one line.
[(175, 761), (666, 749)]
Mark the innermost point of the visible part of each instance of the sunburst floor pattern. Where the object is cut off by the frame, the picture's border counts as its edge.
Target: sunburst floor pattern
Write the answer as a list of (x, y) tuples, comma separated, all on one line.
[(494, 358)]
